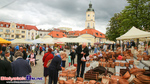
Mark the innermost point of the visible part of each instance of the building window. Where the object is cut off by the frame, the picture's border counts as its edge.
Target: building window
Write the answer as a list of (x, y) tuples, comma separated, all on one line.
[(57, 34), (22, 27), (96, 33), (63, 35), (88, 24), (32, 33), (22, 36), (91, 19), (93, 15), (88, 15), (36, 33), (17, 31), (1, 30), (7, 30), (7, 35), (6, 25), (101, 34), (40, 34), (1, 25), (12, 35), (1, 35), (18, 26), (93, 24), (12, 31), (17, 36), (23, 31), (13, 26)]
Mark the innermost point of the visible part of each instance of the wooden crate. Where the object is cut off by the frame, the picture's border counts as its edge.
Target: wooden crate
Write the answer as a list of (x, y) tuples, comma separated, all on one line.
[(91, 75)]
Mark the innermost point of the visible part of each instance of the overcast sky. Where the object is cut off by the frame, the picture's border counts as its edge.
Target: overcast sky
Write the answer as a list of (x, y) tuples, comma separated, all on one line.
[(46, 14)]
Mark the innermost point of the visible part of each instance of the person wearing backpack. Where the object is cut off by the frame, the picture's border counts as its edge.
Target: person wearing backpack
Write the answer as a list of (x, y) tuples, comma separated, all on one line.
[(40, 50), (47, 56)]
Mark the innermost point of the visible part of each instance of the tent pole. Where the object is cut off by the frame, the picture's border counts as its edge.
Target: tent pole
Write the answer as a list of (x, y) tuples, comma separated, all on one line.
[(137, 42), (147, 44), (121, 46)]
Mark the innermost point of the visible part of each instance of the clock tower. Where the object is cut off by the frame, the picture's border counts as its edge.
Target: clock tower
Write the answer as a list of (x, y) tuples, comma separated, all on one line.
[(90, 18)]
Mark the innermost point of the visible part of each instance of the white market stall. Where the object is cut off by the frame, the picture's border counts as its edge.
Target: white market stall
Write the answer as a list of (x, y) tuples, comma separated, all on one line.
[(64, 39), (134, 33), (48, 41), (36, 41), (20, 41), (79, 40)]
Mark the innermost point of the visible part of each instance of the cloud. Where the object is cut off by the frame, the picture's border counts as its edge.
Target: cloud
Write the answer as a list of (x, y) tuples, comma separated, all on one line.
[(46, 14)]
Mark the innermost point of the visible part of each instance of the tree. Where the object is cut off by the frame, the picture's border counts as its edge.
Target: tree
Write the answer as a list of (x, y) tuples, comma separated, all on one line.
[(135, 14), (37, 37)]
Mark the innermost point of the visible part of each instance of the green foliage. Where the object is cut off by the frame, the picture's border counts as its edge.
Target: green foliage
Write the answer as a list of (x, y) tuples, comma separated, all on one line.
[(37, 37), (137, 14)]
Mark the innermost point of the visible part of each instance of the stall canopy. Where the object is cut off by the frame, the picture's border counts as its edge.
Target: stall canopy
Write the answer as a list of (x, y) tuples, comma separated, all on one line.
[(64, 39), (4, 41), (36, 41), (48, 41), (20, 41), (40, 39), (79, 39), (46, 36), (58, 41), (134, 33)]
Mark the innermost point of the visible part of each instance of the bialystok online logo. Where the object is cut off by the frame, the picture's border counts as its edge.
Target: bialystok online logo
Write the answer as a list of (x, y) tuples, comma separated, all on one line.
[(28, 78)]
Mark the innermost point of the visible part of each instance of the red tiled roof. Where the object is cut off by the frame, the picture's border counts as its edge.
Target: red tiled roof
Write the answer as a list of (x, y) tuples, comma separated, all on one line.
[(57, 34), (28, 27), (20, 26), (4, 24), (94, 32), (73, 32)]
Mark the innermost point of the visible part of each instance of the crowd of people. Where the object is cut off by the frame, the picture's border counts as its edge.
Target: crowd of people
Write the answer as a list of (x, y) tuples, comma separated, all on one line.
[(15, 61)]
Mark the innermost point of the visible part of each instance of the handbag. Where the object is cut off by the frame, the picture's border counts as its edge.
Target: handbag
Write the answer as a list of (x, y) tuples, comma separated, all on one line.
[(49, 62)]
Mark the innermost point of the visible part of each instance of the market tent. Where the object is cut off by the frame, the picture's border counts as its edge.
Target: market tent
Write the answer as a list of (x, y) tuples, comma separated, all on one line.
[(20, 41), (79, 40), (36, 41), (40, 39), (48, 41), (58, 41), (83, 40), (46, 36), (4, 41), (134, 33), (64, 39)]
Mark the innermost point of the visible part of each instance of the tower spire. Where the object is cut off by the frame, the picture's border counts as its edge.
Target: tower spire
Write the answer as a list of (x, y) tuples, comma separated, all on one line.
[(90, 5)]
